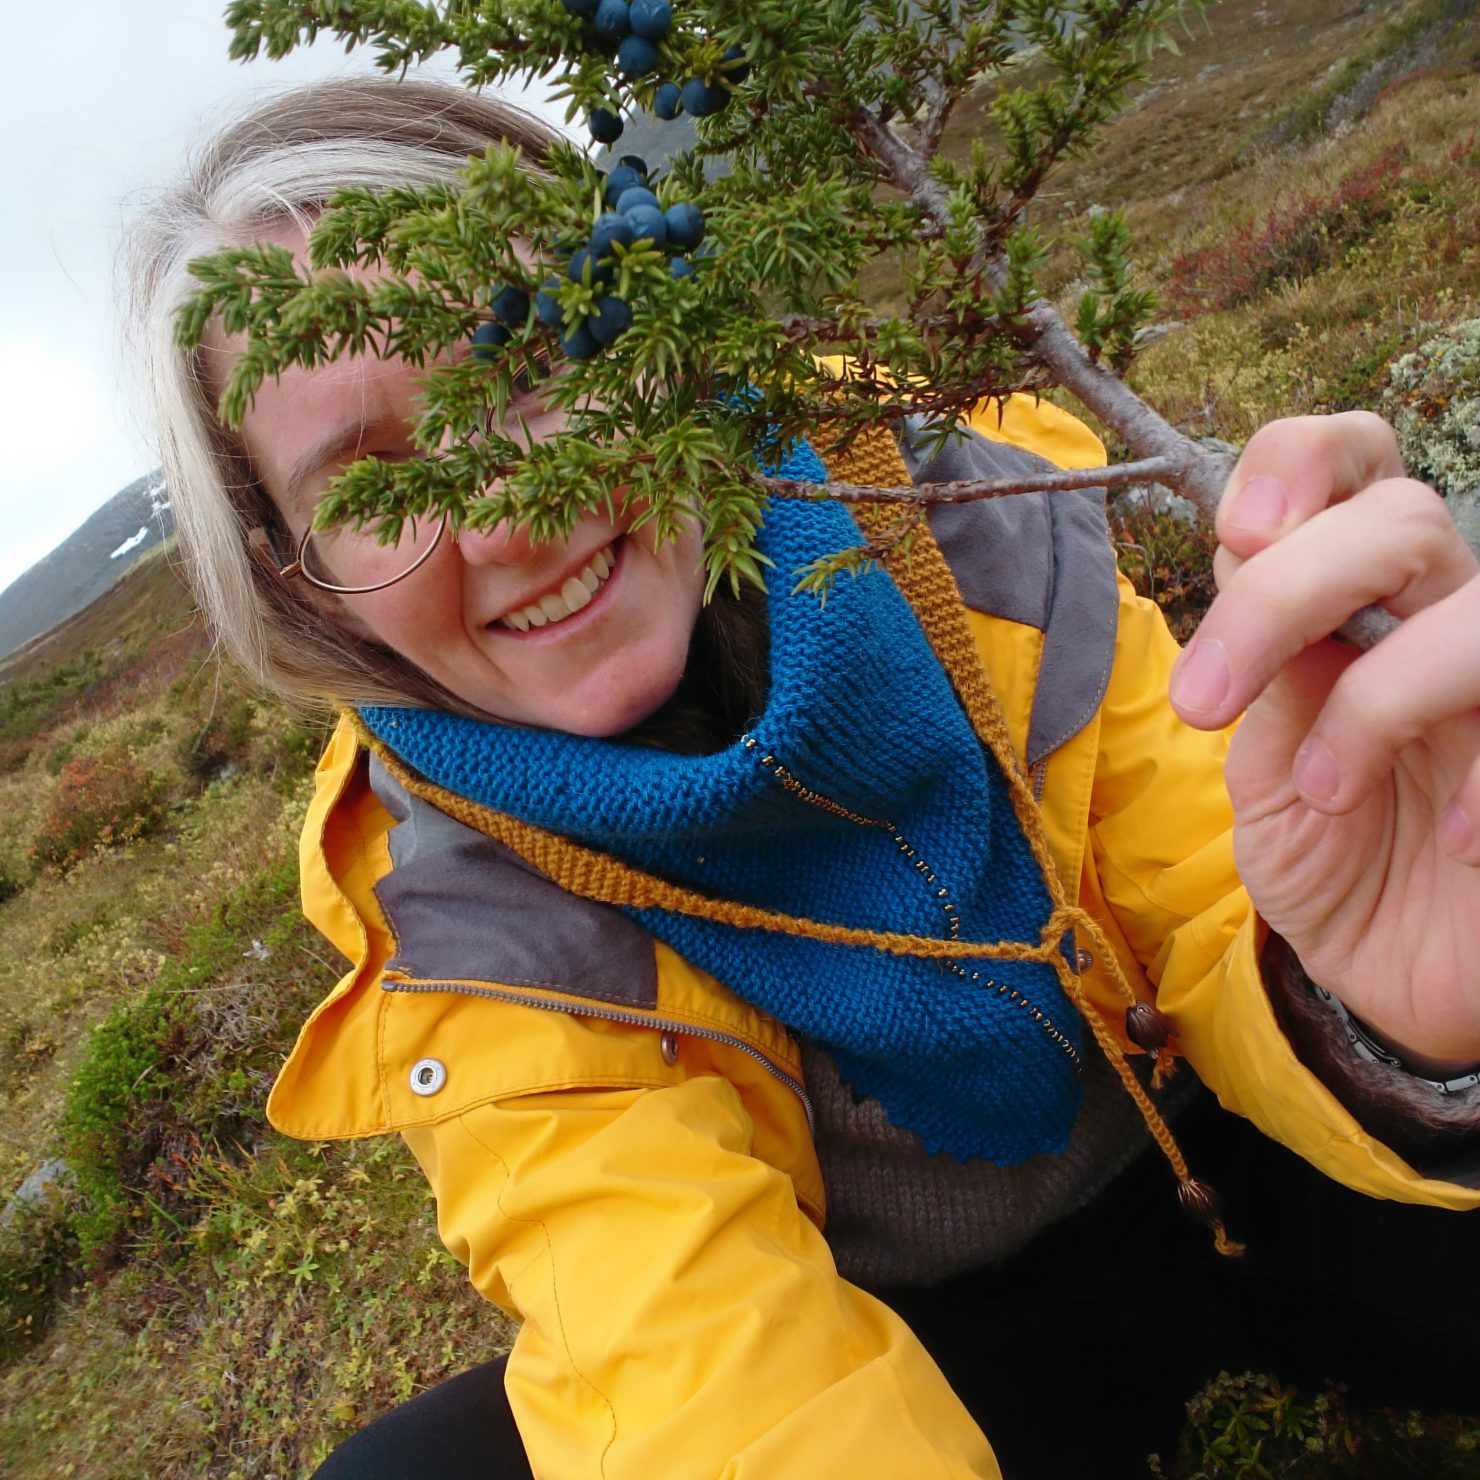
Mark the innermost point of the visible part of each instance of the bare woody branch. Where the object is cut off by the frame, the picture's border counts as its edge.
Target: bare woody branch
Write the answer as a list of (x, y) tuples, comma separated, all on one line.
[(940, 102), (827, 330), (972, 490)]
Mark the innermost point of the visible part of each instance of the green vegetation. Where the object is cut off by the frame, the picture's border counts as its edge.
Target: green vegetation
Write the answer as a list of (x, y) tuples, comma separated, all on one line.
[(1253, 1427), (202, 1297)]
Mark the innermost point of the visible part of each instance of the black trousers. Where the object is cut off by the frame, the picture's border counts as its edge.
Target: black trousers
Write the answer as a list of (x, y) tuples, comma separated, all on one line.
[(1077, 1355)]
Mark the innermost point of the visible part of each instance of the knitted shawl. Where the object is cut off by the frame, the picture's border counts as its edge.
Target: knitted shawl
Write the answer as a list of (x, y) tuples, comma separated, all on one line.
[(861, 797)]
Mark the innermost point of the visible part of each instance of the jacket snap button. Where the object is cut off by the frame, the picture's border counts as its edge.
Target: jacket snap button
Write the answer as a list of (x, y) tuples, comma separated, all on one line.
[(668, 1045), (428, 1076), (1083, 960)]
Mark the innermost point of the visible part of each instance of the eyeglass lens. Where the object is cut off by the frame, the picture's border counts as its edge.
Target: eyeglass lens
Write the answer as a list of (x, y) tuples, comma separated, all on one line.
[(347, 559)]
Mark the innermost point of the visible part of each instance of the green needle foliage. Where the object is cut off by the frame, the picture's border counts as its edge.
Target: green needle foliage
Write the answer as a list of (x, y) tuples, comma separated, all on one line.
[(831, 142)]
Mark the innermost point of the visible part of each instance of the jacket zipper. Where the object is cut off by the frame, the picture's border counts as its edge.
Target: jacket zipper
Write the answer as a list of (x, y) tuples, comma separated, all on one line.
[(615, 1015)]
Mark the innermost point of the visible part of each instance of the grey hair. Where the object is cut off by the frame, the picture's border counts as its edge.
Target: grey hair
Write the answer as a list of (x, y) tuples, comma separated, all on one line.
[(275, 166)]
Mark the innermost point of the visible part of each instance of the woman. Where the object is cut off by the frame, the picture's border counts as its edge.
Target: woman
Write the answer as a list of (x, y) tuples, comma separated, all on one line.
[(645, 902)]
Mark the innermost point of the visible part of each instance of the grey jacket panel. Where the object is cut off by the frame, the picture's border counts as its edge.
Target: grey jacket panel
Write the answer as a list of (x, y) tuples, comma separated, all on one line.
[(464, 907), (1038, 558)]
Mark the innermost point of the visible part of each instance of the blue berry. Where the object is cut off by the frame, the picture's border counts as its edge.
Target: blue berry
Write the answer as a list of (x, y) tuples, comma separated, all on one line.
[(665, 101), (680, 267), (734, 65), (651, 18), (583, 8), (547, 307), (685, 225), (511, 306), (638, 195), (487, 338), (605, 126), (635, 162), (610, 228), (700, 98), (612, 20), (612, 319), (636, 57), (601, 272), (648, 225), (580, 343), (623, 177)]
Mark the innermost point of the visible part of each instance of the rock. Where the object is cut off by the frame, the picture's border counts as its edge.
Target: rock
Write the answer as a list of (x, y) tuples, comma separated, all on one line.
[(1155, 498), (49, 1179)]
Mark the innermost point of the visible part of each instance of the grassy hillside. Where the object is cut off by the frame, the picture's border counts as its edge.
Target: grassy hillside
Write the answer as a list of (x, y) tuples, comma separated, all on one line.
[(201, 1297), (176, 1307)]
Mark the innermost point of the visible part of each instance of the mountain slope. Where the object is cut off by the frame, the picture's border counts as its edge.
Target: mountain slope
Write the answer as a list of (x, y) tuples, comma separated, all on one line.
[(89, 561)]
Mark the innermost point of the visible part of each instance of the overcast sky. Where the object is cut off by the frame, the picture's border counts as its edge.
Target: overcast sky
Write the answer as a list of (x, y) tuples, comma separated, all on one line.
[(101, 100)]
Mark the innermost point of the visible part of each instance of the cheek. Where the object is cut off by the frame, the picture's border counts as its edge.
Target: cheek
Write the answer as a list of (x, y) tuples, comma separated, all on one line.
[(687, 555), (405, 620)]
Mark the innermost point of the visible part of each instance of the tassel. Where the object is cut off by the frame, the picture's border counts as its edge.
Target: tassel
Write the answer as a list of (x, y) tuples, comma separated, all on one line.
[(1204, 1204), (1147, 1027)]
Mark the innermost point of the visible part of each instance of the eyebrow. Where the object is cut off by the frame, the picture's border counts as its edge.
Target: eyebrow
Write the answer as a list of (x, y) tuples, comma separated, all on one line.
[(340, 443)]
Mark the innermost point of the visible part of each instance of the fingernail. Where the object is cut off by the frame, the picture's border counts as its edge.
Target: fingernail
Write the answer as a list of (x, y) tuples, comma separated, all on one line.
[(1201, 681), (1456, 832), (1316, 772), (1260, 504)]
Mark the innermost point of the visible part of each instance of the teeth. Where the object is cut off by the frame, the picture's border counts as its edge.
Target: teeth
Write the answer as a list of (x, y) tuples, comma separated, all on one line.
[(575, 592)]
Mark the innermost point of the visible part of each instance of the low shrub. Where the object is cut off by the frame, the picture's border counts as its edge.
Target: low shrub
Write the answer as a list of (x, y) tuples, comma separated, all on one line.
[(100, 801), (1253, 1427), (1169, 559), (1291, 243), (221, 744), (181, 1071)]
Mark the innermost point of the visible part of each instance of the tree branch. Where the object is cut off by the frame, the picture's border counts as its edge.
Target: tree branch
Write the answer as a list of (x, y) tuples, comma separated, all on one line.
[(971, 490), (805, 326), (1192, 470), (941, 101)]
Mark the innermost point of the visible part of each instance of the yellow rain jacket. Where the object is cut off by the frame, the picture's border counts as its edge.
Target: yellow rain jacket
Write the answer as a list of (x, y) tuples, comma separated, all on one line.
[(640, 1185)]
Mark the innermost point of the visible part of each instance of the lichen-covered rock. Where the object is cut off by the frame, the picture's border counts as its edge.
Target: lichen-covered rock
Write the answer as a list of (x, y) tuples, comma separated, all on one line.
[(1433, 402), (49, 1180)]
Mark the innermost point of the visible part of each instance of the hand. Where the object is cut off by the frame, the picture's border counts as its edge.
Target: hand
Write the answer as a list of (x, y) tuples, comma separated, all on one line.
[(1355, 777)]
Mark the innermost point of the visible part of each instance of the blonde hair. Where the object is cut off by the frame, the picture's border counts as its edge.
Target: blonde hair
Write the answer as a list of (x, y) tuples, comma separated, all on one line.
[(275, 166)]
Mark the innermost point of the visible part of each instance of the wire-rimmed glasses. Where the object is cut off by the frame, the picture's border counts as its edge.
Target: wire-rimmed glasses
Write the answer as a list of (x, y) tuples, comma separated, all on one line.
[(347, 561), (352, 562)]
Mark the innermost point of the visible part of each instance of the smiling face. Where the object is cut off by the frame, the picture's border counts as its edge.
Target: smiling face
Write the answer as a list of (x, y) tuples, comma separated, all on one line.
[(588, 636)]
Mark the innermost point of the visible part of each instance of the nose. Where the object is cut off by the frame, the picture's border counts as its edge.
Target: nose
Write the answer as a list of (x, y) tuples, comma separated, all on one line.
[(498, 544)]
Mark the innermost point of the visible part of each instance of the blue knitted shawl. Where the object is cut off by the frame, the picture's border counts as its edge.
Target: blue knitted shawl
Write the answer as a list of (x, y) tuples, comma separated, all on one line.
[(860, 712)]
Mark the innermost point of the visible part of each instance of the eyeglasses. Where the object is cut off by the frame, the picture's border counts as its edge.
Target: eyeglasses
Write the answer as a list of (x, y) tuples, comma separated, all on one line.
[(353, 562), (349, 561)]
